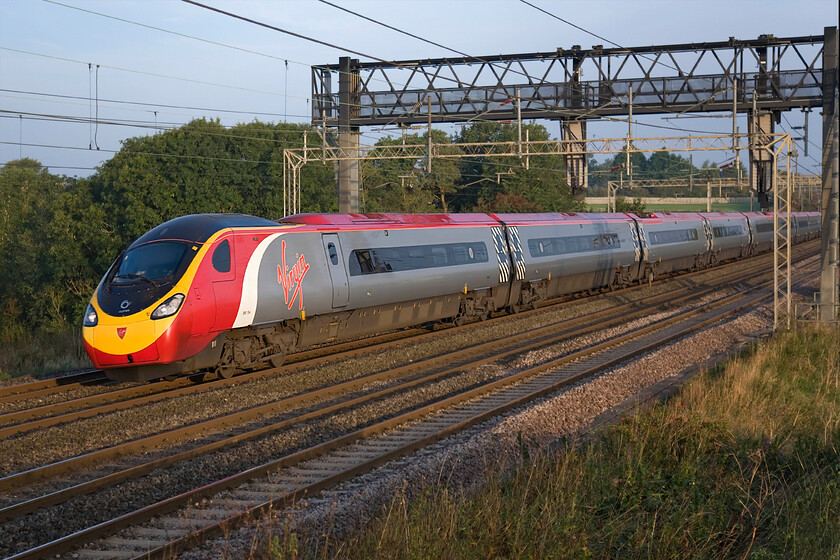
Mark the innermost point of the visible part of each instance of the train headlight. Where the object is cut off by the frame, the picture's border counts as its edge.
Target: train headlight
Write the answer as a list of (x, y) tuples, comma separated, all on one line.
[(91, 318), (168, 307)]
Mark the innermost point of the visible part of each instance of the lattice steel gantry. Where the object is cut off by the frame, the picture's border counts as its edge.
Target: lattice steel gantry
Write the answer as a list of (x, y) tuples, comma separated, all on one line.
[(760, 77)]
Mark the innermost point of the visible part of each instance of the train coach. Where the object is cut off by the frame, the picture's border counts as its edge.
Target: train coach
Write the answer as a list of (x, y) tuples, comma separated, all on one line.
[(229, 292)]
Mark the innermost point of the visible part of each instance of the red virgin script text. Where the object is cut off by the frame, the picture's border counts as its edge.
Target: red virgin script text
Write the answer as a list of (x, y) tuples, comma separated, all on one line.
[(292, 279)]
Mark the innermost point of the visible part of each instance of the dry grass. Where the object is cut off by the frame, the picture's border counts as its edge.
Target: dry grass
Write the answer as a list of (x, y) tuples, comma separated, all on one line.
[(25, 353), (786, 390)]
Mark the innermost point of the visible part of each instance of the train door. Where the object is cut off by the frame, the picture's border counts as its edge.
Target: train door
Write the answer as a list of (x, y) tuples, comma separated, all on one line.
[(338, 272)]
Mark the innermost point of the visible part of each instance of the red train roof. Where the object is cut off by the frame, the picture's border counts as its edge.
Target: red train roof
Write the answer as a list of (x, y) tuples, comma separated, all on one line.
[(561, 217), (395, 219)]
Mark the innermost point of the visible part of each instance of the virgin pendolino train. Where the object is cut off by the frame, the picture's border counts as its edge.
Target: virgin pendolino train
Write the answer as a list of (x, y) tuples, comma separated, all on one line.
[(231, 292)]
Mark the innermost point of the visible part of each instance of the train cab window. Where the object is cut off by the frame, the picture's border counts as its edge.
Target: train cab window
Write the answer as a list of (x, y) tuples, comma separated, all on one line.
[(333, 253), (221, 257)]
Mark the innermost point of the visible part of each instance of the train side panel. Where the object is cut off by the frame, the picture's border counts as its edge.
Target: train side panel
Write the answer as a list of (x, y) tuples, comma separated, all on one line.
[(761, 231), (569, 253), (730, 235), (674, 242), (394, 265)]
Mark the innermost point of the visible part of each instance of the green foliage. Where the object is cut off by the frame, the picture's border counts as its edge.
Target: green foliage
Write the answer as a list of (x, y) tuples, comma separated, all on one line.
[(636, 206), (36, 271), (661, 166), (469, 184), (204, 167)]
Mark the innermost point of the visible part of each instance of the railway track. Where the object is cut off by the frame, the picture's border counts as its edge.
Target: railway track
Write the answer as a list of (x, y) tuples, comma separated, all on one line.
[(23, 407), (206, 519)]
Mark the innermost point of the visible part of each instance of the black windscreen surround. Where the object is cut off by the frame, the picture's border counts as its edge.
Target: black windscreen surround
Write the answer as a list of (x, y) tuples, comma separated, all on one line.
[(151, 262), (548, 246), (415, 257), (154, 263), (144, 274), (198, 228)]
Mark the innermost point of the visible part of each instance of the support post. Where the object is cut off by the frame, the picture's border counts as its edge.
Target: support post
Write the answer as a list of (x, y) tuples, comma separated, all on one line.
[(348, 137), (573, 133), (630, 137), (518, 124), (830, 193), (574, 155), (761, 162), (708, 195), (429, 136), (781, 241)]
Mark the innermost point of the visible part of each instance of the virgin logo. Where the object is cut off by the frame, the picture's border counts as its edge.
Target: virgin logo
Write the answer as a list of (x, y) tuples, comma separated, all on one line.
[(291, 279)]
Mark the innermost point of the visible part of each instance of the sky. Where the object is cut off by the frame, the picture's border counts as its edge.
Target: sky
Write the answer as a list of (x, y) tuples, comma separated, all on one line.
[(162, 63)]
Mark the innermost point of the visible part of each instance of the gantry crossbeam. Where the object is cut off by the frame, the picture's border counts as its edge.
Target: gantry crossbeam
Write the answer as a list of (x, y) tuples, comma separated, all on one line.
[(776, 73)]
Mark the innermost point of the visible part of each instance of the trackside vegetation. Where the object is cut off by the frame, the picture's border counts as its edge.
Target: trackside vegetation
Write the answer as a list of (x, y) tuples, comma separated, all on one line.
[(744, 463)]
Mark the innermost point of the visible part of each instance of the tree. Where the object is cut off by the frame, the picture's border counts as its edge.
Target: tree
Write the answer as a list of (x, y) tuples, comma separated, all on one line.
[(203, 167), (542, 184), (54, 245), (394, 185)]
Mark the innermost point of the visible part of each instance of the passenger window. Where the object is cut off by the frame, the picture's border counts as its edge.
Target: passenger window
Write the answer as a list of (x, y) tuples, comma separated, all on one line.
[(221, 257), (333, 253)]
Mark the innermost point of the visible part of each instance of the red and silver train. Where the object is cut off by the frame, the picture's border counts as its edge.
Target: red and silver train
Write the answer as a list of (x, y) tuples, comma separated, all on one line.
[(230, 292)]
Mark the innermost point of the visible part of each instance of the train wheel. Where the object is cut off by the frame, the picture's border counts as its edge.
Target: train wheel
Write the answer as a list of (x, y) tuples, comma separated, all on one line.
[(225, 372), (198, 377), (277, 360)]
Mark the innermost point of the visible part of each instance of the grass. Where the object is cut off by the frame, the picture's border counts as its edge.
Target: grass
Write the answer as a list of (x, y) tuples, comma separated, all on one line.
[(23, 353), (744, 464)]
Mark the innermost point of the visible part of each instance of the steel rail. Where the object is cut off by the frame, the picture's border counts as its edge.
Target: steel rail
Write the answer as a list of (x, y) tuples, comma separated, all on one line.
[(149, 392), (223, 527), (45, 387), (53, 414)]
